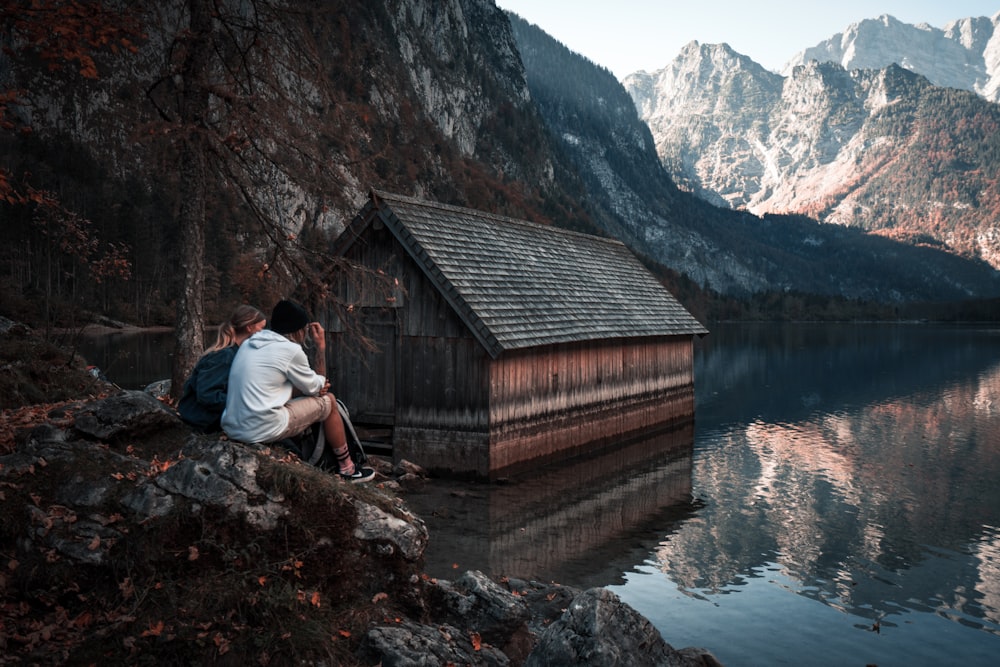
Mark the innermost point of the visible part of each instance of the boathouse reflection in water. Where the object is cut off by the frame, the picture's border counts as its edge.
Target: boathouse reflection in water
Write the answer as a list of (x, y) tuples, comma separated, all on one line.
[(582, 522)]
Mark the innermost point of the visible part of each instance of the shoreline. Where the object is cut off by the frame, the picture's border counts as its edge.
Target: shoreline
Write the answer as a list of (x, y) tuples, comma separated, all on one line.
[(105, 329)]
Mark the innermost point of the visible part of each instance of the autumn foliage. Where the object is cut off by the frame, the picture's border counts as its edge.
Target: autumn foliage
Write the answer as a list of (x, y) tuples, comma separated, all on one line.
[(62, 33)]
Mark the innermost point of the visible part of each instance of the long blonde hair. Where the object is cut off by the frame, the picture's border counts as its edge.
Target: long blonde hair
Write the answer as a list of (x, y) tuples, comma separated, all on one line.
[(239, 323)]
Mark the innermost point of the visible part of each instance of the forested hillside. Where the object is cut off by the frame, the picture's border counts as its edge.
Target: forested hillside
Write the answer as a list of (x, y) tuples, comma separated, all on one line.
[(209, 152), (287, 147)]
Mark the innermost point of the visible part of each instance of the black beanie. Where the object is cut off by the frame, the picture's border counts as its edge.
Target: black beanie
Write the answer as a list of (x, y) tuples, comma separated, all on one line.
[(288, 317)]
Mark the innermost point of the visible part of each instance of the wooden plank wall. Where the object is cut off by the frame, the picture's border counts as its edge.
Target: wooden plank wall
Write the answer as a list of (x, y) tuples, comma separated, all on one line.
[(371, 382), (455, 408), (561, 400), (442, 420)]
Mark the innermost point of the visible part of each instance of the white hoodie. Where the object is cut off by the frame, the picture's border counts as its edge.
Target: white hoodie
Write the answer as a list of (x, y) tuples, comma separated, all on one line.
[(265, 370)]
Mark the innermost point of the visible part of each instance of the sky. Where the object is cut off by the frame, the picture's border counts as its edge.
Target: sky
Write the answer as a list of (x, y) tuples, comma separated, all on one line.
[(626, 36)]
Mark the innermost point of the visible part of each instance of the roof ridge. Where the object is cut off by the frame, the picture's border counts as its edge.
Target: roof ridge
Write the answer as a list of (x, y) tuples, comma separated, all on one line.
[(381, 194), (516, 283)]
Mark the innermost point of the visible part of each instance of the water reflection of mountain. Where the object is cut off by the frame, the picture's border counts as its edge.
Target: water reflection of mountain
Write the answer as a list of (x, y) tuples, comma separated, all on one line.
[(782, 372), (879, 499), (581, 524)]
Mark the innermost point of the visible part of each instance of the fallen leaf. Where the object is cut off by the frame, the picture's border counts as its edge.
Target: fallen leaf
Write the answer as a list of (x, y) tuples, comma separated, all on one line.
[(477, 641), (94, 543), (379, 597), (314, 600), (193, 553), (154, 630), (344, 633), (157, 466)]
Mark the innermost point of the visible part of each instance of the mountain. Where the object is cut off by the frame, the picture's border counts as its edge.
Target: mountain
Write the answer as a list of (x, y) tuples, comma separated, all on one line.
[(737, 253), (964, 55), (456, 102), (417, 97), (882, 150)]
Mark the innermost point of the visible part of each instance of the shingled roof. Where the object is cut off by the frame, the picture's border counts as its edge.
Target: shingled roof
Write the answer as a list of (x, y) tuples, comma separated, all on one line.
[(518, 284)]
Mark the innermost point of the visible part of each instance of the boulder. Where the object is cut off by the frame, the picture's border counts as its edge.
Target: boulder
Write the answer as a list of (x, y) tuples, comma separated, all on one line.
[(127, 535), (599, 630), (128, 414)]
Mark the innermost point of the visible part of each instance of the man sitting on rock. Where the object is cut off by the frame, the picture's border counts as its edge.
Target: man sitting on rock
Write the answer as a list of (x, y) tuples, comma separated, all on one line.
[(274, 394)]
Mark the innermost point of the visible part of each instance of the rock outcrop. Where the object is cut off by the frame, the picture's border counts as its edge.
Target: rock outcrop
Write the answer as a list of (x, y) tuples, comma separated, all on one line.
[(127, 537)]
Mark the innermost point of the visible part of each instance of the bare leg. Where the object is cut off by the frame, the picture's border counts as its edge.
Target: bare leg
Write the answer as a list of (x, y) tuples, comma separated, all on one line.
[(333, 429)]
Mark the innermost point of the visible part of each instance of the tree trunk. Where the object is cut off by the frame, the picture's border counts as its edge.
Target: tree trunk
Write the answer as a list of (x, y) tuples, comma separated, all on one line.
[(189, 334)]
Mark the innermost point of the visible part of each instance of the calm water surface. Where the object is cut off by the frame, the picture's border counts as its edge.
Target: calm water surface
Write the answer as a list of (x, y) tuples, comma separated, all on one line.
[(837, 501), (131, 360), (850, 476)]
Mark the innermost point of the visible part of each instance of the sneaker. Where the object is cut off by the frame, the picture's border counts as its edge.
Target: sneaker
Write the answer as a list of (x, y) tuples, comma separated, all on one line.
[(360, 474)]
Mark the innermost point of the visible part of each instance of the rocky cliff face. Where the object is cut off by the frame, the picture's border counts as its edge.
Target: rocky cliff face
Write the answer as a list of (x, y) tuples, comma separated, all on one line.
[(964, 55), (407, 90), (702, 111), (879, 149), (446, 101)]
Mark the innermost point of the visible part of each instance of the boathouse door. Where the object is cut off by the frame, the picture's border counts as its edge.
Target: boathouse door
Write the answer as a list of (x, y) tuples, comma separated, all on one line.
[(373, 390)]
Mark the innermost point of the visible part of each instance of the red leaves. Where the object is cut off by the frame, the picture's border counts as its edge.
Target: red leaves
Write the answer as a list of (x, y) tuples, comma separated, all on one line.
[(66, 32), (25, 418), (155, 630), (295, 566), (157, 466), (312, 598)]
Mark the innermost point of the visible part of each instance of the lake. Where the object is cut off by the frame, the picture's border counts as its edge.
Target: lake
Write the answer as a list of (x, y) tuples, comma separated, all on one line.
[(849, 487), (131, 359), (836, 502)]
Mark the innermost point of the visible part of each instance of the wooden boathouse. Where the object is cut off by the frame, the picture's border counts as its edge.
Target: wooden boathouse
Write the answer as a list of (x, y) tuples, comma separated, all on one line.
[(502, 343)]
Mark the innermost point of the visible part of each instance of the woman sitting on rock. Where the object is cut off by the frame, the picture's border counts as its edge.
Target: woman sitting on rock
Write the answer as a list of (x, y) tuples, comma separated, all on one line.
[(204, 396)]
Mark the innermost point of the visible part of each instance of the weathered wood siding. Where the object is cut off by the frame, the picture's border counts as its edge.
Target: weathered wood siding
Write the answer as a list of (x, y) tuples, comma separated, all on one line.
[(453, 407), (558, 400), (367, 379), (442, 420), (539, 404), (428, 372)]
